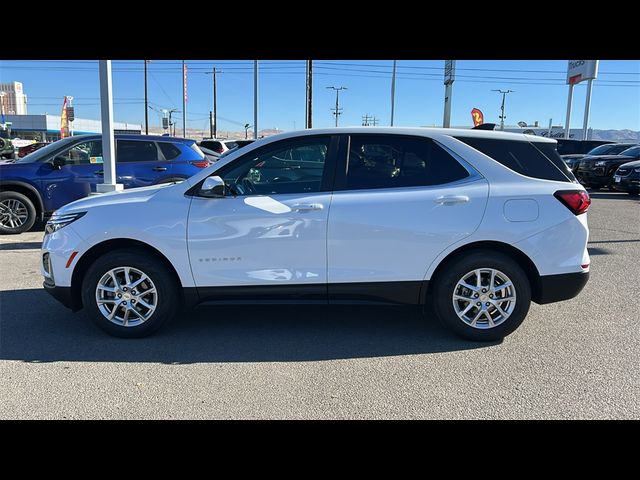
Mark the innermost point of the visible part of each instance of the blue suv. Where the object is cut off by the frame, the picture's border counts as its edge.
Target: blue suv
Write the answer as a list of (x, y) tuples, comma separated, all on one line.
[(34, 186)]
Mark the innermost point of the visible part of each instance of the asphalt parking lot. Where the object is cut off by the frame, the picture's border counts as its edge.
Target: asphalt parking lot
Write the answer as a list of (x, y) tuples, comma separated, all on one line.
[(576, 359)]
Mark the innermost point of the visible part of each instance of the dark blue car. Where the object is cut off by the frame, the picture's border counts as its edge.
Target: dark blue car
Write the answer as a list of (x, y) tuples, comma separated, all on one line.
[(34, 186)]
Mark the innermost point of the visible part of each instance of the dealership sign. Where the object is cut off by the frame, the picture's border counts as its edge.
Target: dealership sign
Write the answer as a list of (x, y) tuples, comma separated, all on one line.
[(580, 70)]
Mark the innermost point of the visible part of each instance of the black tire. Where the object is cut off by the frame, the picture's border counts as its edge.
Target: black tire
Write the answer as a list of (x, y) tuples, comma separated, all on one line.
[(454, 270), (634, 194), (31, 213), (168, 299)]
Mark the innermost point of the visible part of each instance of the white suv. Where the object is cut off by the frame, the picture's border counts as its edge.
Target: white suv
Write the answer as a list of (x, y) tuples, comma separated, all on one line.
[(478, 223)]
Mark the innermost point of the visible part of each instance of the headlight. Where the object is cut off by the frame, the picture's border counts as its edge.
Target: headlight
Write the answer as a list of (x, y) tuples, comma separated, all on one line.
[(600, 163), (637, 170), (56, 222)]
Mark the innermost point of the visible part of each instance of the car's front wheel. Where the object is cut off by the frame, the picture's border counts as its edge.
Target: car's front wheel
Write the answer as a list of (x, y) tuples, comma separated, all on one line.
[(17, 213), (130, 293), (482, 295)]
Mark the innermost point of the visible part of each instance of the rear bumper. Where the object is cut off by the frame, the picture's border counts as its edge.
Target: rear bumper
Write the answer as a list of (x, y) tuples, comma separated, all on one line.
[(555, 288)]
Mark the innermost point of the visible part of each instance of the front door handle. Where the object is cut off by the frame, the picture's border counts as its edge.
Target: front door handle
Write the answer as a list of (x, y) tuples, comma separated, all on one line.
[(451, 199), (159, 169), (100, 172), (307, 207)]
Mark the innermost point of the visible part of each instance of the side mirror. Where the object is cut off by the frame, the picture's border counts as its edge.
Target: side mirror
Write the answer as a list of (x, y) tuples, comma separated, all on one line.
[(213, 187), (59, 162)]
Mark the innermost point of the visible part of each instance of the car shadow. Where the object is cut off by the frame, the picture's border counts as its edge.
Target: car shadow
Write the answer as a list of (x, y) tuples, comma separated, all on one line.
[(35, 328), (598, 251), (20, 245)]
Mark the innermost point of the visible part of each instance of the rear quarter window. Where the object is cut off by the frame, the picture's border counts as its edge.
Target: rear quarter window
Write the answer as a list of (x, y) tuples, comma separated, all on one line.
[(169, 150), (540, 160)]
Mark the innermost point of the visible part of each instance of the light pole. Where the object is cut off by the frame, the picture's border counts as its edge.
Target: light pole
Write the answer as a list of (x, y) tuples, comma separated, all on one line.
[(504, 94), (246, 129), (393, 91), (255, 99), (337, 109)]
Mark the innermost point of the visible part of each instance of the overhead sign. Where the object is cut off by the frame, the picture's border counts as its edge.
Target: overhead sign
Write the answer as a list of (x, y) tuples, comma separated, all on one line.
[(449, 71), (478, 117), (580, 70)]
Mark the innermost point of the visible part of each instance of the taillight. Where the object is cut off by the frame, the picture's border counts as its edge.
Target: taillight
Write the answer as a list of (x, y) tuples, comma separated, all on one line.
[(218, 150), (577, 201), (201, 164)]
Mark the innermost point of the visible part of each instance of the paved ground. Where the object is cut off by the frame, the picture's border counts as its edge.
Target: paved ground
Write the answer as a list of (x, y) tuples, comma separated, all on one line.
[(575, 359)]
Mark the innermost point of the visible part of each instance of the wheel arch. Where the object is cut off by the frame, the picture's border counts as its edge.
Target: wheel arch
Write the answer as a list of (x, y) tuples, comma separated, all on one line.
[(85, 261), (518, 255), (27, 190)]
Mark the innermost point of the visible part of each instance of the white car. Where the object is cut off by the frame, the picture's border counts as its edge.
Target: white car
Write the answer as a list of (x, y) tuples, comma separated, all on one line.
[(479, 223)]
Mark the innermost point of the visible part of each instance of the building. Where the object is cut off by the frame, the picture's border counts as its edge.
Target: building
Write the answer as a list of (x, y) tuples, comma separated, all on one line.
[(47, 127), (13, 99)]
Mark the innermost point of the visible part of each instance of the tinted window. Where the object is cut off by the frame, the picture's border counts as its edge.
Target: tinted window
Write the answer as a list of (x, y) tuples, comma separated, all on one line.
[(631, 152), (521, 157), (212, 145), (549, 151), (231, 145), (83, 153), (378, 161), (611, 149), (169, 150), (291, 167), (135, 151)]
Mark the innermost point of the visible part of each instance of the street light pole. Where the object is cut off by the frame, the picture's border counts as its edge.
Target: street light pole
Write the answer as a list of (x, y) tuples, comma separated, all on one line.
[(504, 94)]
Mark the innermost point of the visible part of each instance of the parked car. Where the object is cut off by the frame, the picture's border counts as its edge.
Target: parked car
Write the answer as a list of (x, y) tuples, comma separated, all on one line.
[(570, 146), (34, 186), (468, 221), (27, 149), (627, 178), (210, 154), (218, 146), (573, 160), (597, 171)]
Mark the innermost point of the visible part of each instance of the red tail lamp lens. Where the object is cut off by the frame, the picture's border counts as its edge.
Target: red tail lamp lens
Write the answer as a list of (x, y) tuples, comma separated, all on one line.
[(577, 201), (200, 164)]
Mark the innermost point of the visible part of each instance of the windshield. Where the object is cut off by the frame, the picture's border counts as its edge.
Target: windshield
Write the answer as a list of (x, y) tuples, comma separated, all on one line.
[(48, 150), (608, 149), (632, 152)]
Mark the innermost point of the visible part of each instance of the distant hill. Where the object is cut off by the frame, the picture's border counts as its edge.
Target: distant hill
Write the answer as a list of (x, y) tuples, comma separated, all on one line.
[(616, 135)]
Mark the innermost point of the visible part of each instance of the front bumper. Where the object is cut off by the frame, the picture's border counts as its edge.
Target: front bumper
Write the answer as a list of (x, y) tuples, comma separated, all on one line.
[(62, 294), (555, 288), (628, 184)]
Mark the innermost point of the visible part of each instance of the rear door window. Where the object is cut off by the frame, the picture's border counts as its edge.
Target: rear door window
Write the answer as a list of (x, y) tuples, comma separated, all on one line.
[(523, 157), (136, 151), (386, 161)]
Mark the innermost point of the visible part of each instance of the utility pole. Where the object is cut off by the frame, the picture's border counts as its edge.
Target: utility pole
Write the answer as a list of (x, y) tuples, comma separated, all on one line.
[(146, 101), (255, 99), (184, 100), (309, 103), (504, 94), (365, 120), (211, 124), (337, 111), (393, 91), (214, 130), (449, 78)]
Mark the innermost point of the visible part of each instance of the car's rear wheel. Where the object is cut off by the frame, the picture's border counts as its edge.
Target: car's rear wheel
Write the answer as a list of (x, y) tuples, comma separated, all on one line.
[(17, 213), (482, 295), (129, 293)]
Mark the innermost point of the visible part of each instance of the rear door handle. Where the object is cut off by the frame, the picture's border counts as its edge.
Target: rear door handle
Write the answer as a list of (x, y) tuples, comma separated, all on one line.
[(307, 207), (451, 199), (159, 169)]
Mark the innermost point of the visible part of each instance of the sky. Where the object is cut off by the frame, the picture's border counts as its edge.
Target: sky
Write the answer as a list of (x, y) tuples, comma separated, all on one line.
[(540, 91)]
